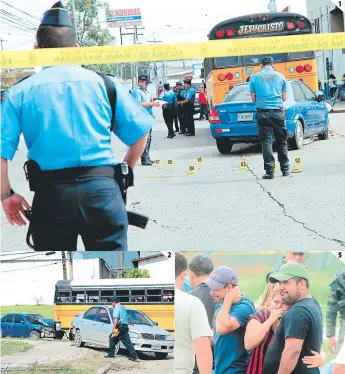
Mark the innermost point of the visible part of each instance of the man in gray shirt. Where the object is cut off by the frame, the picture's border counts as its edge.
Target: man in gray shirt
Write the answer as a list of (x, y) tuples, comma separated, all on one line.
[(200, 267)]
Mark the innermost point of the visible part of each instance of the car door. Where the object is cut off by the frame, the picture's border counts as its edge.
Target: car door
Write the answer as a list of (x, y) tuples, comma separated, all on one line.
[(6, 324), (318, 109), (20, 327), (303, 108), (87, 325), (104, 326)]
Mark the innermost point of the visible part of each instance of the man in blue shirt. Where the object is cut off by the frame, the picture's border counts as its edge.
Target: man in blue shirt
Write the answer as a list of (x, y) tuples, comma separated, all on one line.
[(169, 96), (179, 110), (268, 89), (231, 316), (141, 94), (188, 107), (65, 116), (120, 320)]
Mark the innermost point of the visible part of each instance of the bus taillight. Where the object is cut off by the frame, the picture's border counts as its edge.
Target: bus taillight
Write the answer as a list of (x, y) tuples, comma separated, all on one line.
[(221, 77), (301, 24), (308, 68), (290, 25), (220, 33), (299, 69), (230, 32), (229, 76)]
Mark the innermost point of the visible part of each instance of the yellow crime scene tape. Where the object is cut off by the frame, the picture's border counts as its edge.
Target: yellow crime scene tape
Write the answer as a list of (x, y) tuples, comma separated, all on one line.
[(166, 52)]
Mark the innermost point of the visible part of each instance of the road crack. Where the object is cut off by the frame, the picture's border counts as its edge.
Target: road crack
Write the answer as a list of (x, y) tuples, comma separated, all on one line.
[(286, 214)]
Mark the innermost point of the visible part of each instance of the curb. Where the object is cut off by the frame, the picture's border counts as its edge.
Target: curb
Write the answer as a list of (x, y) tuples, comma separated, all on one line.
[(104, 369)]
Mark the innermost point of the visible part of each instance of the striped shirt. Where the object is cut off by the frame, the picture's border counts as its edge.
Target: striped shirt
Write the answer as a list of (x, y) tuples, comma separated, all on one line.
[(256, 362)]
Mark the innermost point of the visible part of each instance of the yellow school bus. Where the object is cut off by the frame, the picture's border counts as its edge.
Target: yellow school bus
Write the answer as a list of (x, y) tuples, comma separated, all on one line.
[(223, 73), (154, 299)]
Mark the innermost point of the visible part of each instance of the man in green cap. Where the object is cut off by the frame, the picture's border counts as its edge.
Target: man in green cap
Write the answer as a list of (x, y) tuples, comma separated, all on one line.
[(335, 305), (299, 332)]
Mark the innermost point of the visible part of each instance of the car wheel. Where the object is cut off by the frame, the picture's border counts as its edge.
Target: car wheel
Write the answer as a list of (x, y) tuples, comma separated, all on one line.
[(296, 142), (160, 355), (78, 340), (224, 146), (35, 334), (325, 134)]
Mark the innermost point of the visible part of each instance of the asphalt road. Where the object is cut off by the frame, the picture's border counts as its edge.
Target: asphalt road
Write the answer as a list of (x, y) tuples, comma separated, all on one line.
[(222, 207)]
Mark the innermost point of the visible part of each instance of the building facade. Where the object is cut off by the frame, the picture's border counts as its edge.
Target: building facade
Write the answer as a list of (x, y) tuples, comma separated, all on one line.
[(327, 18)]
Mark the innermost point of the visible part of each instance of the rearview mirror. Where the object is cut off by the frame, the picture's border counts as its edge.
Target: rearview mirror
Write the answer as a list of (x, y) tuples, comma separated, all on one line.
[(321, 97)]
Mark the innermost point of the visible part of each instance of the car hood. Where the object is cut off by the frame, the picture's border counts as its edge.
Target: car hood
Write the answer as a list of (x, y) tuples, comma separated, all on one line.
[(47, 322), (148, 329)]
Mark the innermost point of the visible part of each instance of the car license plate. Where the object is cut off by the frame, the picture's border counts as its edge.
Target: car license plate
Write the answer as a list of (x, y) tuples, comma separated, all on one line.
[(245, 117), (156, 347)]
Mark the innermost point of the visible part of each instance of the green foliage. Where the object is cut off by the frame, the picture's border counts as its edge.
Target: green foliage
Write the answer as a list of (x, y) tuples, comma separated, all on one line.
[(137, 273), (10, 347), (45, 310)]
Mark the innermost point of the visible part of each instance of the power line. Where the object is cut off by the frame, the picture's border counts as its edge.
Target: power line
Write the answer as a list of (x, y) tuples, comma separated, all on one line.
[(34, 267), (21, 258), (23, 22), (16, 24), (30, 15)]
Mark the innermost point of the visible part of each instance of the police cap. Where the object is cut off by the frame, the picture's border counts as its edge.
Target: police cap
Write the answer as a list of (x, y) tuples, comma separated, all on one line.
[(145, 78), (114, 299), (179, 83), (188, 81), (3, 92), (57, 16), (267, 60)]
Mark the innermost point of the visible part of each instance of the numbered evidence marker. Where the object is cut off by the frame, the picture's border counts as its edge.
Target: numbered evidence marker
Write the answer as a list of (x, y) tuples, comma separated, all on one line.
[(191, 170), (243, 165), (297, 165), (199, 161), (157, 163), (275, 167), (171, 163)]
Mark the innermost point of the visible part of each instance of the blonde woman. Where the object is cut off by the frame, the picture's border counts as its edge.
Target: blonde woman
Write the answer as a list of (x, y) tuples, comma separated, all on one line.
[(260, 330)]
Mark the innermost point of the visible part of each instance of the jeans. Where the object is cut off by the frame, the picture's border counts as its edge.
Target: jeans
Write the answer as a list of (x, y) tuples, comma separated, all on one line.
[(271, 126), (188, 114), (125, 339), (91, 207), (203, 111)]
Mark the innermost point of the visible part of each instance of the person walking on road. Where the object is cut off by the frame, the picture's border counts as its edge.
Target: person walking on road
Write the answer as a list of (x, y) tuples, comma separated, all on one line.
[(71, 165), (188, 107), (120, 331), (203, 105), (169, 109), (141, 94), (179, 109), (268, 90), (335, 306)]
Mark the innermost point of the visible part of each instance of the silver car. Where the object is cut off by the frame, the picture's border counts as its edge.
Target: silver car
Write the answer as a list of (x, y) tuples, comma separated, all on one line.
[(95, 327)]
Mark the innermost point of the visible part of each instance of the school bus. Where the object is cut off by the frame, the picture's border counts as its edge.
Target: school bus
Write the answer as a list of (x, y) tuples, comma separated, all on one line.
[(223, 73), (154, 299)]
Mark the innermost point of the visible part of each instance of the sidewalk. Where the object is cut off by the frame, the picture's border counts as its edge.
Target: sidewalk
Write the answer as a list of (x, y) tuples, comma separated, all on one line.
[(339, 106)]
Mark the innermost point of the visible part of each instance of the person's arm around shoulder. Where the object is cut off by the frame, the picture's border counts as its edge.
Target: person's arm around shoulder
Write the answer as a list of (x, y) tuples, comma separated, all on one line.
[(252, 89), (201, 334), (132, 125)]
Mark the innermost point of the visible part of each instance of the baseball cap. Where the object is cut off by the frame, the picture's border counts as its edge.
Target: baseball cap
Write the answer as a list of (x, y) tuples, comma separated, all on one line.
[(114, 299), (288, 271), (222, 276), (145, 78), (267, 60)]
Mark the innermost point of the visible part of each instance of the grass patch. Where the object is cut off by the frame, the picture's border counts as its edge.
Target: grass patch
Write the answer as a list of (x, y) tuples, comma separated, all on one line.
[(45, 310), (9, 347)]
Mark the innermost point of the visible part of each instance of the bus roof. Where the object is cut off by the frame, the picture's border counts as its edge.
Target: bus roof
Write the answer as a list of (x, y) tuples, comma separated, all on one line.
[(112, 282), (262, 19)]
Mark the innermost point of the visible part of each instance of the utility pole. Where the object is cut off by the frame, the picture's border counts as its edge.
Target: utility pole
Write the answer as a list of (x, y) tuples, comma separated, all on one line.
[(2, 46), (64, 268), (154, 41), (70, 265)]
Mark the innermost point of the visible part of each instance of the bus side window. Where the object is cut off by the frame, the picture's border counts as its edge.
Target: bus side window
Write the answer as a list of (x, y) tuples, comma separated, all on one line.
[(138, 295), (154, 295)]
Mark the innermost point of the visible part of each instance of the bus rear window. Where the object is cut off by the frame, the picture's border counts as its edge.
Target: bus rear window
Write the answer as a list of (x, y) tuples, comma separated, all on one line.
[(256, 59), (238, 94), (301, 55), (226, 62)]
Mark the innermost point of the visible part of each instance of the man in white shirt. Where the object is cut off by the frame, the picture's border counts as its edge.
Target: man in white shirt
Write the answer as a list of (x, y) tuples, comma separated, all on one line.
[(339, 362), (192, 330)]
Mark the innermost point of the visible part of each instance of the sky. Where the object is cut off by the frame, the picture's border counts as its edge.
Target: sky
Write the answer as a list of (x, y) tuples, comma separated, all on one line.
[(187, 22)]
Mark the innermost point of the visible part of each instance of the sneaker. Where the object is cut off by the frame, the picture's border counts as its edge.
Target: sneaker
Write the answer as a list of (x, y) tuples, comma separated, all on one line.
[(286, 173), (268, 176)]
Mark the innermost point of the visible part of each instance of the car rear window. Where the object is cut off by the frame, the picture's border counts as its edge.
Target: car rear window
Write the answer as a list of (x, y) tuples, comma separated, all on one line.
[(238, 94)]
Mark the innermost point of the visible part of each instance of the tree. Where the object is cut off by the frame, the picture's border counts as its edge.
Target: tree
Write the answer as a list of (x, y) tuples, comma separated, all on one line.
[(137, 273)]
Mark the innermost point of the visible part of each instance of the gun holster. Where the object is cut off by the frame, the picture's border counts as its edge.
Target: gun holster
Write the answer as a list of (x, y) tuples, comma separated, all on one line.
[(32, 173)]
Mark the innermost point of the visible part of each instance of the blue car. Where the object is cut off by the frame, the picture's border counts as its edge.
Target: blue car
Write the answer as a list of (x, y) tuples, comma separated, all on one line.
[(234, 120)]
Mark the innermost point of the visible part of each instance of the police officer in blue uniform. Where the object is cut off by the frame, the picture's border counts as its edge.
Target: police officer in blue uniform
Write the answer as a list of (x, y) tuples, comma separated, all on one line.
[(141, 94), (188, 107), (268, 89), (120, 322), (177, 129), (179, 109), (65, 116), (169, 109)]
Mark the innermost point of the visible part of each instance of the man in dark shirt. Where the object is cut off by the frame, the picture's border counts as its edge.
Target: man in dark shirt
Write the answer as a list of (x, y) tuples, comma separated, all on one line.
[(300, 329), (200, 267)]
